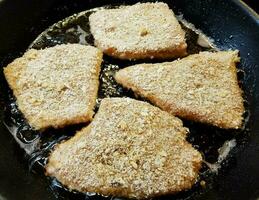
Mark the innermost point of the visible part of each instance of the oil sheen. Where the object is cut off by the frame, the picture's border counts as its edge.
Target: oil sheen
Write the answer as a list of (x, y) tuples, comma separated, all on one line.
[(215, 144)]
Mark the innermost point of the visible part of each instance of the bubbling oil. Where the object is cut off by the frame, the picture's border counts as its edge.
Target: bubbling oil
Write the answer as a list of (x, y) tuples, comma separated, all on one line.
[(214, 144)]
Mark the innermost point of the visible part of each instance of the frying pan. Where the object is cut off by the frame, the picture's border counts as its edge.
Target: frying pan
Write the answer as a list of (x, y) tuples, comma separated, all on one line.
[(230, 23)]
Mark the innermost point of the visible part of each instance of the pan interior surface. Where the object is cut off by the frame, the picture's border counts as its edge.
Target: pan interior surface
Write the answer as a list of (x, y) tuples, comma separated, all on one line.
[(209, 140)]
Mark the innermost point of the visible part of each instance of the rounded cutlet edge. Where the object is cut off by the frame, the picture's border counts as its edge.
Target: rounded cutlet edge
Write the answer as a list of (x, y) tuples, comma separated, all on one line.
[(179, 50), (13, 71), (233, 58), (53, 170)]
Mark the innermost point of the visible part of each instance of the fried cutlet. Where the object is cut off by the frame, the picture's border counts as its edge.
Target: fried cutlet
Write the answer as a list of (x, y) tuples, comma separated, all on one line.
[(56, 86), (140, 31), (201, 87), (130, 149)]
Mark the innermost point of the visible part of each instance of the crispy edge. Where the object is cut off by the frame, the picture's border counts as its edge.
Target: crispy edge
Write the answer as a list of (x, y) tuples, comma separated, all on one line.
[(183, 112), (53, 166), (13, 71), (179, 51)]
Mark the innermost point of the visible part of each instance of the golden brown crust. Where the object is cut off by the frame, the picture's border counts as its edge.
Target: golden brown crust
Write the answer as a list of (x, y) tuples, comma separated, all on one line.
[(130, 149), (56, 86), (147, 30), (201, 87), (158, 54)]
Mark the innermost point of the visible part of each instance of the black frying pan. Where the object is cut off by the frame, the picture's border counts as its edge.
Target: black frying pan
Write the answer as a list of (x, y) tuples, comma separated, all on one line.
[(230, 23)]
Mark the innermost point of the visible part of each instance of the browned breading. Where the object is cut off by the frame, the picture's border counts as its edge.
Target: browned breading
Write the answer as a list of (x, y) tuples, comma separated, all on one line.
[(144, 30), (56, 86), (130, 149), (201, 87)]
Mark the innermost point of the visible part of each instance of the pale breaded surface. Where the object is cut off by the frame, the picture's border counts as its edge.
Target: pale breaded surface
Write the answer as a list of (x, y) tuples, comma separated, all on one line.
[(201, 87), (130, 149), (56, 86), (143, 30)]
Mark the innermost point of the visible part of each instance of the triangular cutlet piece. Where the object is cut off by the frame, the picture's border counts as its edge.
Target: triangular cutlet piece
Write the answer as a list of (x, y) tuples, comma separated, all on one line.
[(140, 31), (201, 87), (130, 149), (56, 86)]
